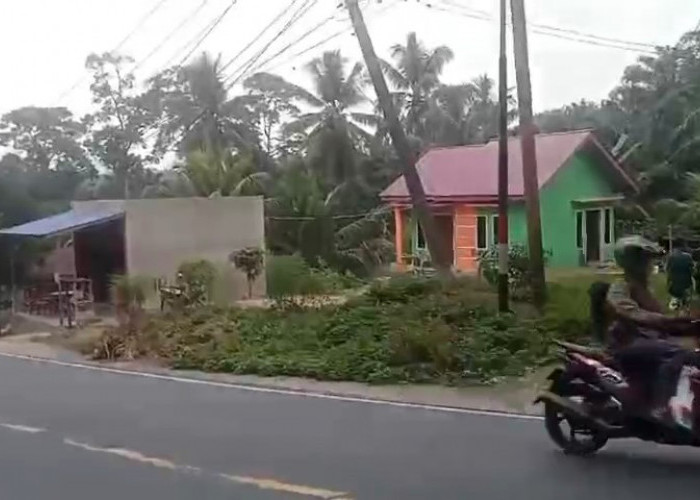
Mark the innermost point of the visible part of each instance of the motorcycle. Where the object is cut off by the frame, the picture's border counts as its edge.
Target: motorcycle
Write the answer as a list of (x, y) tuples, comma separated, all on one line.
[(591, 397)]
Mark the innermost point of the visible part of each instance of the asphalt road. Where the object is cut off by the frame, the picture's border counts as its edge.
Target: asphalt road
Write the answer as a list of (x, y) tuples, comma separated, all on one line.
[(70, 433)]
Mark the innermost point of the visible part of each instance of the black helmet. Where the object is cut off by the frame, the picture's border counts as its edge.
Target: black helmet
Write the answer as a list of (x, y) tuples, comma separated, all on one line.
[(632, 254)]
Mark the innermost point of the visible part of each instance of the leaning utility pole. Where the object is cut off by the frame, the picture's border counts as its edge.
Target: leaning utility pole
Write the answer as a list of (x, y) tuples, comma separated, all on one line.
[(503, 167), (529, 152), (438, 253)]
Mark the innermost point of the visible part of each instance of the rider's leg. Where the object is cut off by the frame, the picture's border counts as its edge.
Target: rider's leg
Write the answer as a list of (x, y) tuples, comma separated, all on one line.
[(642, 361)]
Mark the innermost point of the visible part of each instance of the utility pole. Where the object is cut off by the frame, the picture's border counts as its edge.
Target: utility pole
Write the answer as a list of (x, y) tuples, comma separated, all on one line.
[(503, 305), (426, 220), (529, 152)]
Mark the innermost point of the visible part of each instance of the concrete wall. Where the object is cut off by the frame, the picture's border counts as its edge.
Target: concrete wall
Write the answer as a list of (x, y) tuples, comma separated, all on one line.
[(94, 205), (161, 234)]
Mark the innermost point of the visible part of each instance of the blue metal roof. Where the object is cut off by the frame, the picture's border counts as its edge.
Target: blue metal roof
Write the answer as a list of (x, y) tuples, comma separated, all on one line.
[(62, 223)]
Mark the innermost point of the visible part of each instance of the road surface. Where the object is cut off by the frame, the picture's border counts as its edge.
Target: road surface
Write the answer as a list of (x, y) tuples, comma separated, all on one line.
[(73, 433)]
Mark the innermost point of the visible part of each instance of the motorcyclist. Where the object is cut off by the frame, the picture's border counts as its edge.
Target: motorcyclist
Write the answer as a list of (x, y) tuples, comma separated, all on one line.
[(638, 336)]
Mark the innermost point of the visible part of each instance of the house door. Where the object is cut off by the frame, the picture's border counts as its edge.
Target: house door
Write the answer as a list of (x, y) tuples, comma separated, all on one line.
[(593, 236), (445, 227)]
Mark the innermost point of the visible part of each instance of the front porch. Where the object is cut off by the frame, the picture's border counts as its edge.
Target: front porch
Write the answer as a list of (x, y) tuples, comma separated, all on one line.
[(458, 226), (65, 286)]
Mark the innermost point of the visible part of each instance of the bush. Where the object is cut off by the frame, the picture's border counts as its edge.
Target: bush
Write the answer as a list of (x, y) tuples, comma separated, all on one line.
[(290, 275), (249, 261), (129, 294), (197, 279), (519, 276), (402, 330)]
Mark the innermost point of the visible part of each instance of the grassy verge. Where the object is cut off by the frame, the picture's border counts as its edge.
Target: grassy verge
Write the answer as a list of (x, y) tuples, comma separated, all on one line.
[(401, 330)]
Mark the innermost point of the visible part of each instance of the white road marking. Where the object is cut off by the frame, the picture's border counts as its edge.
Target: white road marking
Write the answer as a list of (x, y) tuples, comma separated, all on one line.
[(23, 428), (132, 455), (261, 483), (296, 489), (270, 390)]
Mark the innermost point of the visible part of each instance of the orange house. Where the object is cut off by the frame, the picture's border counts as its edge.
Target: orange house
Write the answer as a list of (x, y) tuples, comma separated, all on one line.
[(580, 185)]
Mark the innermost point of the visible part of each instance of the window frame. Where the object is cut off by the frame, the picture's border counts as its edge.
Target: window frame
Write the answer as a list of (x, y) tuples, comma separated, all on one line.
[(580, 229), (608, 226), (485, 220), (494, 230)]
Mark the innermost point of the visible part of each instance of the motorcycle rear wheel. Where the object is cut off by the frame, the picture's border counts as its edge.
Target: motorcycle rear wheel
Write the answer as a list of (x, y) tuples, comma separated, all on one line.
[(569, 442)]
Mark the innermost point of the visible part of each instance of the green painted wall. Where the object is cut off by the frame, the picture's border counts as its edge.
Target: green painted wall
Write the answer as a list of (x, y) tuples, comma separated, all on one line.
[(581, 178)]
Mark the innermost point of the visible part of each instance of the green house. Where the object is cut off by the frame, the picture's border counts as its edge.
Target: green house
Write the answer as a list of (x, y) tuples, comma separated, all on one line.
[(580, 186)]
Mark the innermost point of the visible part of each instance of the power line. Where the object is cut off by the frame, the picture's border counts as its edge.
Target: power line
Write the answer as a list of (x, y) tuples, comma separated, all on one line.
[(241, 71), (324, 41), (208, 32), (187, 44), (570, 31), (119, 45), (595, 37), (139, 25), (186, 20), (304, 35), (295, 17), (259, 35), (201, 36), (544, 32)]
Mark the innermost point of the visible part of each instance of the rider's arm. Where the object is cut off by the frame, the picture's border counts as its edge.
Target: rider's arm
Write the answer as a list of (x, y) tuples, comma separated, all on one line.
[(625, 307)]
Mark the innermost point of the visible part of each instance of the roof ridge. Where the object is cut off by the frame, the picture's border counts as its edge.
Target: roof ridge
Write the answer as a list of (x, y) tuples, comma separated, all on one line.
[(510, 138)]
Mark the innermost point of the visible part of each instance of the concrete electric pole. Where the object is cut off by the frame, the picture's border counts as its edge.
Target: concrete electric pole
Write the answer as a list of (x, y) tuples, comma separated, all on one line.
[(529, 152)]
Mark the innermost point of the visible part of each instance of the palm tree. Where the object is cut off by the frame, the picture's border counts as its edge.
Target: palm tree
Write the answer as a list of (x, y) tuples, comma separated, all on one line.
[(483, 114), (214, 173), (447, 117), (416, 74), (195, 111), (334, 128), (336, 92)]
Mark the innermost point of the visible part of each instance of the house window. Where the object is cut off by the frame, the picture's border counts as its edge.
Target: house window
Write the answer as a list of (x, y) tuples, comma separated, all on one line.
[(579, 229), (481, 232), (608, 234), (494, 230)]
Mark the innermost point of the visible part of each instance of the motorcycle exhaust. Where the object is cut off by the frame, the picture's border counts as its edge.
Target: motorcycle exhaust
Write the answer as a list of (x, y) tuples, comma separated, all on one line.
[(574, 410)]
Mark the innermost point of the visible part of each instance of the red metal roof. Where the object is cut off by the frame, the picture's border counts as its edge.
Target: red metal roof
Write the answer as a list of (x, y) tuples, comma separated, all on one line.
[(470, 173)]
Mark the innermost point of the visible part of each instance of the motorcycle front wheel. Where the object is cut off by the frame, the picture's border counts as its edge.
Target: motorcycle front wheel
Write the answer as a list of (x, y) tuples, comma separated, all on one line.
[(572, 436)]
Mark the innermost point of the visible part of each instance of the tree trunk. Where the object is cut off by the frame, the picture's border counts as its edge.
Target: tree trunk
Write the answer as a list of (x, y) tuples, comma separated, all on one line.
[(436, 248)]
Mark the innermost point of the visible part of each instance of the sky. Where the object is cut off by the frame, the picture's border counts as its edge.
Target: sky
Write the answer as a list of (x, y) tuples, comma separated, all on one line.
[(44, 43)]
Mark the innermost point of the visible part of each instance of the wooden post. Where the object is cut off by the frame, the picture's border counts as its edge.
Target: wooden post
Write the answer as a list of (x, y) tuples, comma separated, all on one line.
[(436, 248), (503, 305), (399, 236), (529, 152), (13, 279)]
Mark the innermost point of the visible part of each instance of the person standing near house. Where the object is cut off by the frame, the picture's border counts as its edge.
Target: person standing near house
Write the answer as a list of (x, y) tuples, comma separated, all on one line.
[(696, 269), (679, 279)]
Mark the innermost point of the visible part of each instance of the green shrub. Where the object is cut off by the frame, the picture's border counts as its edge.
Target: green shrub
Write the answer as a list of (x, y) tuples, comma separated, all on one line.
[(291, 275), (249, 261), (403, 330), (402, 289), (197, 278), (519, 275)]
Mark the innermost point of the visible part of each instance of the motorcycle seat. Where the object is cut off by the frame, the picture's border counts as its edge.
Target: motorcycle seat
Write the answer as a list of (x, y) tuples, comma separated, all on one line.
[(596, 353)]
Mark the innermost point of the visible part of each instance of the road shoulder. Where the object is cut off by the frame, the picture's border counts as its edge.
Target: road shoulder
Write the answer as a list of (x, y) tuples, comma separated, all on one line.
[(512, 396)]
